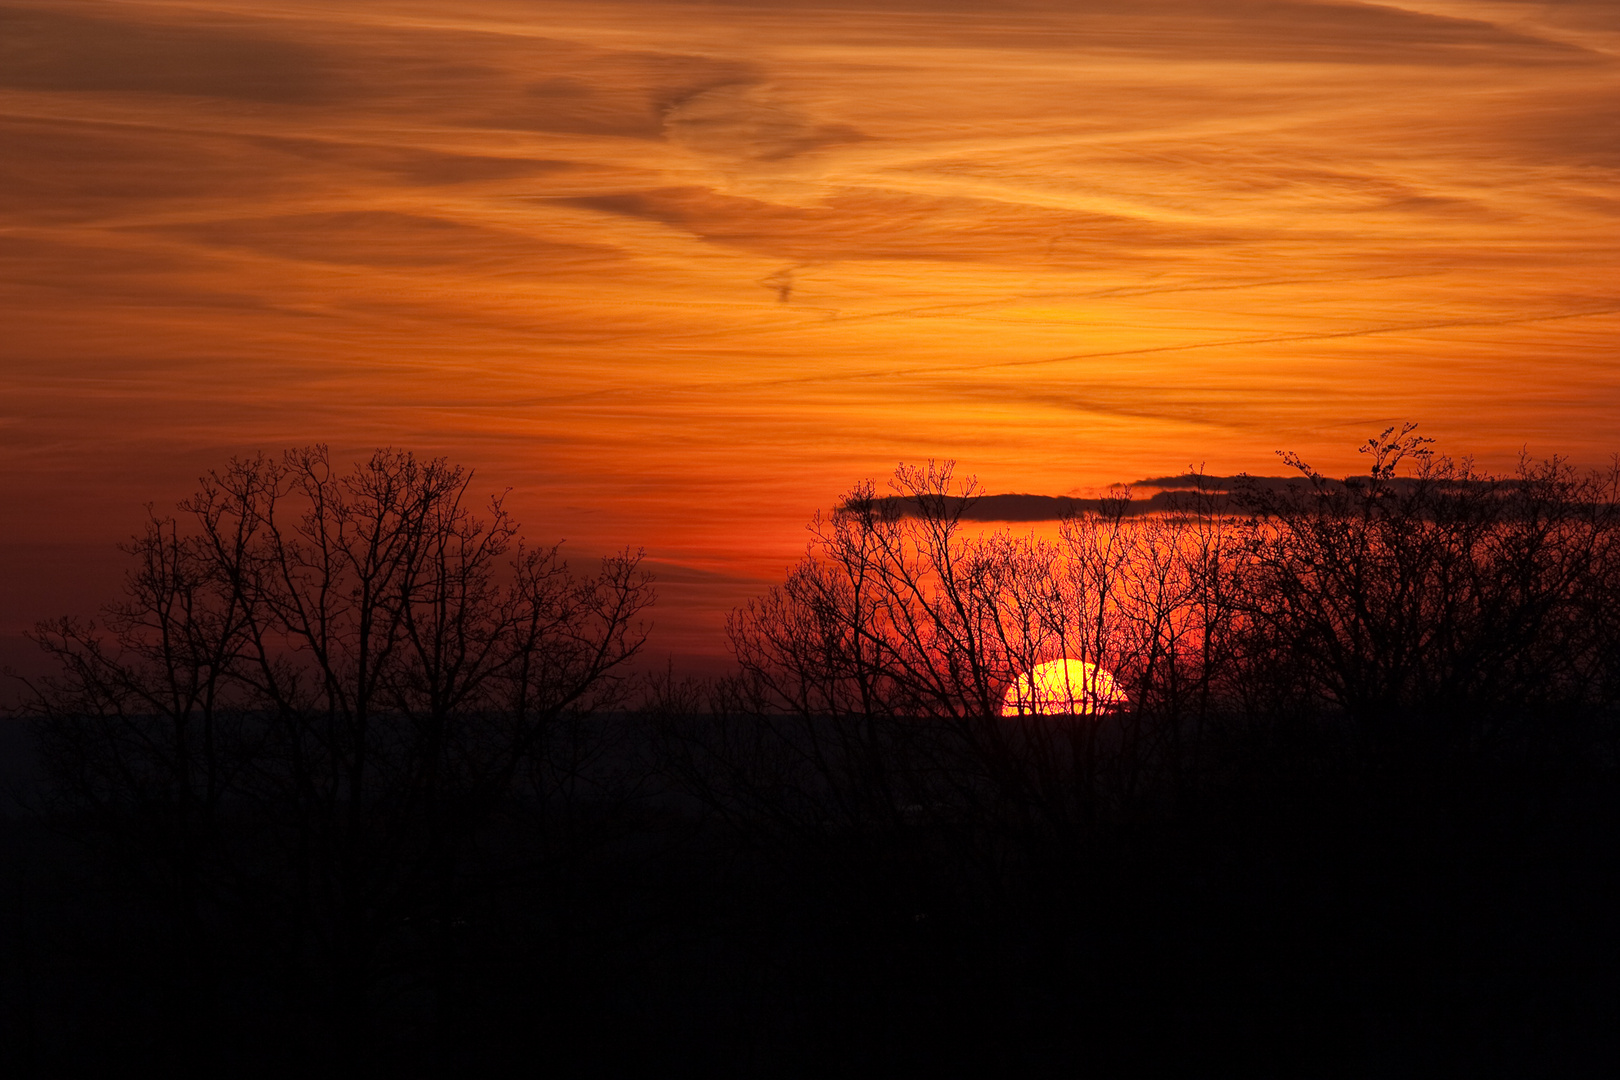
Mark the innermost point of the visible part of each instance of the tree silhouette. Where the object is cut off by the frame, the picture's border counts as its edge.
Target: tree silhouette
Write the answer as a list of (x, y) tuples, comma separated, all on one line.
[(317, 689), (370, 764), (1357, 714), (1439, 597)]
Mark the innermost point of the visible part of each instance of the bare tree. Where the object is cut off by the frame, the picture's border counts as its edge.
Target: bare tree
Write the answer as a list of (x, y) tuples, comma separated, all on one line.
[(1438, 596), (1422, 595), (317, 689), (888, 654)]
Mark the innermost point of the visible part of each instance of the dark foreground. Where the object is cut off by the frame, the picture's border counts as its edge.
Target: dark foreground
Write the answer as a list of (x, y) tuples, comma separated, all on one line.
[(351, 780), (1317, 913)]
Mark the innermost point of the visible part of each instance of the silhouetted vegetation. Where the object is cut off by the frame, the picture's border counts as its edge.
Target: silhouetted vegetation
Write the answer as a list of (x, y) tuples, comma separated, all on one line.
[(318, 693), (362, 783)]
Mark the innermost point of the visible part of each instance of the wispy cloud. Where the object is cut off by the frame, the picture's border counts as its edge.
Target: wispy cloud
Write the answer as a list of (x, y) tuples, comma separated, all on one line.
[(692, 268)]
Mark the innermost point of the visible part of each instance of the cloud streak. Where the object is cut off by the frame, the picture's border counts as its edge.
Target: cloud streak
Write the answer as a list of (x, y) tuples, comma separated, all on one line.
[(681, 272)]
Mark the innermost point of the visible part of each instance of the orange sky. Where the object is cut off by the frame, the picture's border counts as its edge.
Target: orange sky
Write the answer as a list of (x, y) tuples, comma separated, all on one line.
[(680, 273)]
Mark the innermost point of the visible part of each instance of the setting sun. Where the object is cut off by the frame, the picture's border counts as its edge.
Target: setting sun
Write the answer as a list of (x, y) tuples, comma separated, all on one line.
[(1062, 688)]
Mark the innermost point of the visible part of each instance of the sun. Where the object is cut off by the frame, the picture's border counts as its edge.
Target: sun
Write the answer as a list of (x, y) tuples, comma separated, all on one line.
[(1062, 688)]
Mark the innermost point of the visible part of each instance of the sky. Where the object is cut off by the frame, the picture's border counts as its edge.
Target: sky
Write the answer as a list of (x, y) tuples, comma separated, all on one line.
[(678, 275)]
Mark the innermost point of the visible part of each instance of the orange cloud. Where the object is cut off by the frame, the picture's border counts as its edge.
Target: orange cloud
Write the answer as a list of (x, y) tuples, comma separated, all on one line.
[(637, 258)]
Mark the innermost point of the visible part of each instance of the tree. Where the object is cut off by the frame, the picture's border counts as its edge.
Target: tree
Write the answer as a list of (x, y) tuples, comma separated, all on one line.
[(1424, 600), (1435, 597), (884, 661), (1370, 725), (317, 689)]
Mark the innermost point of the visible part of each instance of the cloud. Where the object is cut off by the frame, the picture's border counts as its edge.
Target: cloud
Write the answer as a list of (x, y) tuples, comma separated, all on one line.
[(872, 224), (1240, 31), (416, 165), (60, 170), (1061, 242), (1353, 33), (133, 275), (42, 49), (745, 122), (1154, 495), (382, 238), (1576, 125), (54, 170), (1023, 507), (590, 91)]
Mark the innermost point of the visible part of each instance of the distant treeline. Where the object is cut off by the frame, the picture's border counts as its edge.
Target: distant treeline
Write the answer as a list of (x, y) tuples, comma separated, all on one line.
[(350, 779)]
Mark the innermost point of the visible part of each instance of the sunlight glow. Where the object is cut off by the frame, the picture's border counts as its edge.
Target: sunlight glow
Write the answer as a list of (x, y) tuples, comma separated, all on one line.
[(1062, 688)]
